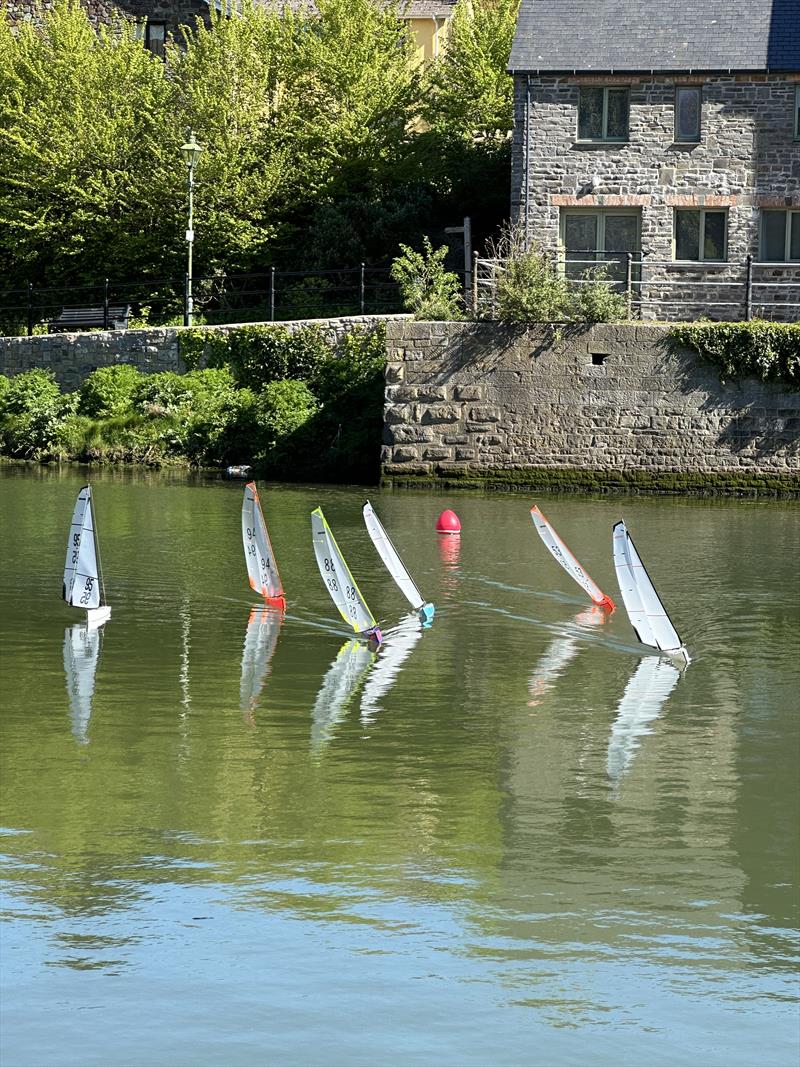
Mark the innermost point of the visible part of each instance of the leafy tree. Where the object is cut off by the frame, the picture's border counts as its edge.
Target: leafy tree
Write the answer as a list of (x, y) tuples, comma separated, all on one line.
[(427, 288)]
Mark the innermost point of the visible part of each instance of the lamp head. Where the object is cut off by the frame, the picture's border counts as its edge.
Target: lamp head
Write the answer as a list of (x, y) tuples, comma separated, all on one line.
[(191, 151)]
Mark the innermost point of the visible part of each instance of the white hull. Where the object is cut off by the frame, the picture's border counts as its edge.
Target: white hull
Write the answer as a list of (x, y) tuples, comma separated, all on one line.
[(97, 616)]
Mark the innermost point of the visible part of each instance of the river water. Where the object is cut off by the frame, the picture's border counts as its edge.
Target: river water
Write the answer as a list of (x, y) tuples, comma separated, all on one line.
[(237, 838)]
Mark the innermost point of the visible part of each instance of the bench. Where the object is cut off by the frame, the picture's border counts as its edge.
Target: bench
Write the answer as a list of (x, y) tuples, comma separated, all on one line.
[(71, 319)]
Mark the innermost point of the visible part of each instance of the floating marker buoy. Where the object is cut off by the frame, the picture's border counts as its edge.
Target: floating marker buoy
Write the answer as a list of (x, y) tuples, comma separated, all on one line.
[(448, 523)]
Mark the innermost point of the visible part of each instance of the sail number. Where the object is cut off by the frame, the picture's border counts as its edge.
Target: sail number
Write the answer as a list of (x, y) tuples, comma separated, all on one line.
[(86, 595), (76, 544)]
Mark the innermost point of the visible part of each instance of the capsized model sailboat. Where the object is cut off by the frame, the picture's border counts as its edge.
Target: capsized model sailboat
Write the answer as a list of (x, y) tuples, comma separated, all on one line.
[(262, 569), (83, 578), (648, 615), (339, 582), (570, 564), (395, 565)]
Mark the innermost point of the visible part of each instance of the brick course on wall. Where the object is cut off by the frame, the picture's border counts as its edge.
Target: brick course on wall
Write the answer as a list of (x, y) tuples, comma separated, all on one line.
[(747, 159), (71, 356), (476, 398)]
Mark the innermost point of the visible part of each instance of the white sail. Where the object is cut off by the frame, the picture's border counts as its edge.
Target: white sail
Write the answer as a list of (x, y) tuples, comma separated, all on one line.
[(397, 647), (261, 567), (82, 582), (391, 559), (648, 616), (339, 684), (263, 628), (644, 697), (337, 577), (570, 564), (81, 653)]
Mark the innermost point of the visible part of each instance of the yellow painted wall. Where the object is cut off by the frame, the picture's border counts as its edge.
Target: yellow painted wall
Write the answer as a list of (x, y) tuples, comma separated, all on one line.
[(429, 35)]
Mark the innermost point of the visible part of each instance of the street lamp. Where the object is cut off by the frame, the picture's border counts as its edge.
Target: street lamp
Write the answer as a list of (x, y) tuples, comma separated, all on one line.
[(191, 153)]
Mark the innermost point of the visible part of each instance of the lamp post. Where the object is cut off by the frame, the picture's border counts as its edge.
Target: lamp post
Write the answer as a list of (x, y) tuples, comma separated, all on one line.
[(191, 153)]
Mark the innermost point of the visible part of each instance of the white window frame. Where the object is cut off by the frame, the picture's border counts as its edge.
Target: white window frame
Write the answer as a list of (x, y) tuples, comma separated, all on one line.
[(787, 234), (603, 138), (703, 212), (676, 133)]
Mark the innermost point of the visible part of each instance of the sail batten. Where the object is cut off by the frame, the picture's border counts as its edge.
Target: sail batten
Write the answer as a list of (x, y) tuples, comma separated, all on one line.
[(339, 582), (568, 561), (647, 614), (262, 570)]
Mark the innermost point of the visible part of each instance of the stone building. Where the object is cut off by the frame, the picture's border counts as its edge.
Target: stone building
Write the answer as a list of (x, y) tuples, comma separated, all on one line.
[(670, 131)]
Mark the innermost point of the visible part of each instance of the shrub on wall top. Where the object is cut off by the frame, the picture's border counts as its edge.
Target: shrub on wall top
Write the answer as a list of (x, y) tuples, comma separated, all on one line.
[(769, 351)]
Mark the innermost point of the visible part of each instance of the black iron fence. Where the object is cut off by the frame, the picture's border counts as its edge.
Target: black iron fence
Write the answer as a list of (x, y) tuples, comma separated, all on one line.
[(270, 296)]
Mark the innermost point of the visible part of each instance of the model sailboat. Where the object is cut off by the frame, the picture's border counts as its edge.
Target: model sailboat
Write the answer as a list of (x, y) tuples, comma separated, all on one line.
[(395, 565), (262, 569), (648, 615), (570, 564), (83, 578), (339, 582)]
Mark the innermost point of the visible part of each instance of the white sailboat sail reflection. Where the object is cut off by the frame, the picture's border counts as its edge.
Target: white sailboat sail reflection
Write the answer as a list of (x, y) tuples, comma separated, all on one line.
[(261, 638), (397, 647), (81, 653), (559, 653), (340, 683), (644, 697)]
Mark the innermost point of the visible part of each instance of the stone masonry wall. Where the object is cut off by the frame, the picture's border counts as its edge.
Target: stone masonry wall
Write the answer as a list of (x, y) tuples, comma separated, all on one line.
[(71, 356), (746, 160), (473, 398)]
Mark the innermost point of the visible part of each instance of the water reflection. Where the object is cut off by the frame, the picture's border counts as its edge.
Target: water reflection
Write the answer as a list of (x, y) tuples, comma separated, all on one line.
[(559, 653), (398, 645), (645, 695), (450, 556), (261, 638), (81, 653), (340, 683)]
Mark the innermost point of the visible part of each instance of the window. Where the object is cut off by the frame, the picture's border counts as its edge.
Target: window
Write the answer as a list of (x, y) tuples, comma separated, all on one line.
[(797, 113), (595, 238), (603, 114), (688, 102), (153, 36), (780, 236), (700, 235)]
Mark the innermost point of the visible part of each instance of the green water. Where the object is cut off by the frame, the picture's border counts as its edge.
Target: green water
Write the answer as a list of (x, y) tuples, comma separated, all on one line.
[(233, 843)]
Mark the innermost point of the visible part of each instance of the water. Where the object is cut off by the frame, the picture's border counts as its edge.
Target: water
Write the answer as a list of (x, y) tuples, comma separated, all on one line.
[(511, 839)]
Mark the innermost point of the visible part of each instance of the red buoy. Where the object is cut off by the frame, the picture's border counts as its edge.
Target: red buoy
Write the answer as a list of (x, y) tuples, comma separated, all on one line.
[(448, 523)]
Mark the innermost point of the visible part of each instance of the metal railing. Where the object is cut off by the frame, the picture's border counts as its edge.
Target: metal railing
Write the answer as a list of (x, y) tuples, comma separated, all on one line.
[(269, 296), (654, 288)]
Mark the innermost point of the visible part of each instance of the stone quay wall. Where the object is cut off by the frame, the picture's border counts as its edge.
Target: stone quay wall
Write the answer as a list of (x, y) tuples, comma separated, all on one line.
[(587, 405), (72, 356)]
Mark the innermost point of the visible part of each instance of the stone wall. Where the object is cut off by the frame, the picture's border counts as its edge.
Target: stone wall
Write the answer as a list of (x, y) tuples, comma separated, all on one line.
[(747, 160), (611, 402), (71, 356), (173, 13)]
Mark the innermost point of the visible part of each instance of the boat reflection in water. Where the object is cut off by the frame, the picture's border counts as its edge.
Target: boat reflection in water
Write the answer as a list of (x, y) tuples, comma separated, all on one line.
[(82, 645), (398, 644), (263, 629), (559, 653), (644, 697), (339, 685)]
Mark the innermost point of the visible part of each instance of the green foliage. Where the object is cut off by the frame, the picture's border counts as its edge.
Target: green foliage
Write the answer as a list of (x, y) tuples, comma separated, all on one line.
[(109, 391), (471, 90), (595, 301), (282, 408), (32, 409), (769, 351), (529, 288), (429, 290), (259, 355)]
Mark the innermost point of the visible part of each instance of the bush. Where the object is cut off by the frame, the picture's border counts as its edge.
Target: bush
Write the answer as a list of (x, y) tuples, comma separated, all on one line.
[(769, 351), (595, 301), (281, 409), (427, 289), (110, 391), (529, 288), (32, 408), (33, 390)]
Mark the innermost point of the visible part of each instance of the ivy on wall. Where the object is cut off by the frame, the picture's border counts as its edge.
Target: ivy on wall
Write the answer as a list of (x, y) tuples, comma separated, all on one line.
[(769, 351)]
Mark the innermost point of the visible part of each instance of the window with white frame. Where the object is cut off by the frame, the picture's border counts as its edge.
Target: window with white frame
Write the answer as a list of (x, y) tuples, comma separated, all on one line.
[(688, 108), (780, 236), (700, 235), (603, 113)]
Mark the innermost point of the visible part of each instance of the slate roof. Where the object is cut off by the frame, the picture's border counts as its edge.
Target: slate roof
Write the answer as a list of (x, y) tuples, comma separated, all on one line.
[(608, 36)]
